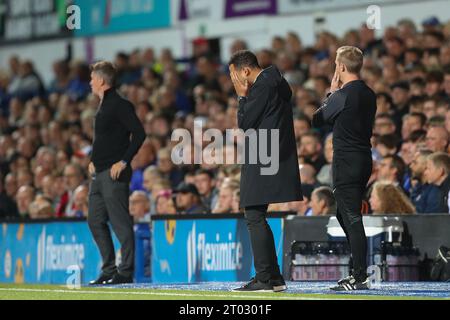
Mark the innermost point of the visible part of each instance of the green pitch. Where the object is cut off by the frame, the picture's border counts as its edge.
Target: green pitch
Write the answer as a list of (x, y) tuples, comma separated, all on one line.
[(39, 292)]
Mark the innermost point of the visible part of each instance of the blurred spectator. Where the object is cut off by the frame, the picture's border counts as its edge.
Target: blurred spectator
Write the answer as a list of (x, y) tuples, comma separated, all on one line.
[(188, 199), (311, 150), (27, 84), (400, 97), (412, 122), (167, 169), (150, 176), (322, 202), (10, 185), (286, 64), (447, 76), (24, 198), (238, 45), (140, 207), (437, 173), (24, 177), (423, 194), (302, 125), (60, 83), (207, 74), (173, 83), (73, 177), (165, 203), (386, 198), (79, 85), (144, 158), (308, 175), (189, 177), (40, 208), (384, 125), (235, 205), (226, 197), (158, 186), (205, 183), (391, 169), (265, 58), (8, 207), (386, 145), (325, 174), (80, 202), (437, 139)]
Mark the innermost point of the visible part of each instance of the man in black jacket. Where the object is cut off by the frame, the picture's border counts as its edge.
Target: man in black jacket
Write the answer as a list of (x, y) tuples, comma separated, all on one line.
[(350, 108), (265, 108), (112, 152)]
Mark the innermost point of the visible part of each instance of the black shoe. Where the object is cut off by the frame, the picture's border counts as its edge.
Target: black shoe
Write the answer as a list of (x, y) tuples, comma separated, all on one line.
[(120, 279), (351, 284), (348, 278), (103, 279), (278, 284), (255, 285)]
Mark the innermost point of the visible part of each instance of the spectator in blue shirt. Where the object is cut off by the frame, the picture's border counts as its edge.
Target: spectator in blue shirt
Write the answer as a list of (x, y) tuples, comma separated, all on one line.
[(423, 195), (144, 158)]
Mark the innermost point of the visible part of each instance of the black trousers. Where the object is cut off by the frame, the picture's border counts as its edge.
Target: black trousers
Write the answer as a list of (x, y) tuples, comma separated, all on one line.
[(350, 175), (108, 202), (263, 244)]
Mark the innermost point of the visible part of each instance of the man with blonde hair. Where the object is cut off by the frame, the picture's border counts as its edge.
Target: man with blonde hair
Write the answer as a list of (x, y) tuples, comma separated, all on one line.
[(350, 108)]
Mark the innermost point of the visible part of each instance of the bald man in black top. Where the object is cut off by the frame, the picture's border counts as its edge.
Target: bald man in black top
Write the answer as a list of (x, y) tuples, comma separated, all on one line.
[(350, 108)]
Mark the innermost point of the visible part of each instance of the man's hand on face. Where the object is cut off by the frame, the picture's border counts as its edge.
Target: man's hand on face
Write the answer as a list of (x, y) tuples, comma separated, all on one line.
[(336, 82), (91, 169), (117, 169), (241, 87)]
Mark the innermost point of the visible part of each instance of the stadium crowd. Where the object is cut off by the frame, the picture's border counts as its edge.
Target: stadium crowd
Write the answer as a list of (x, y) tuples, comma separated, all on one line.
[(46, 132)]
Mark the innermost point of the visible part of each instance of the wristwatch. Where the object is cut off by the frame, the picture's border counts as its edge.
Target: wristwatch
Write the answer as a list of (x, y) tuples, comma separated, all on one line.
[(240, 98), (124, 163)]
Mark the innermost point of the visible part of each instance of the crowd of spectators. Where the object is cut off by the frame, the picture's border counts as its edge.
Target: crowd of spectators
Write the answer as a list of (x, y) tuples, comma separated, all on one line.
[(46, 132)]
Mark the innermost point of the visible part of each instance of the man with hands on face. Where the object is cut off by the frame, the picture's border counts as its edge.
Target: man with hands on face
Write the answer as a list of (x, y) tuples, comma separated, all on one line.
[(265, 104), (118, 137), (350, 108)]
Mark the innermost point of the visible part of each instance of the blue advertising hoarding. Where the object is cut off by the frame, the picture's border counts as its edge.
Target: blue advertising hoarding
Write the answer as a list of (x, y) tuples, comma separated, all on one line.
[(112, 16), (189, 251), (48, 253)]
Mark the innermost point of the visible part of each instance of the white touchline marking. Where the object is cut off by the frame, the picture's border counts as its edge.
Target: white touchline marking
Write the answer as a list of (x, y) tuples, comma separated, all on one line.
[(168, 294)]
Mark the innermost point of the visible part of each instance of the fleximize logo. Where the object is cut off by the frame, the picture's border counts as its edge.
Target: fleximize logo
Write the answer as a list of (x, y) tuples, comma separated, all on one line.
[(211, 256), (58, 257)]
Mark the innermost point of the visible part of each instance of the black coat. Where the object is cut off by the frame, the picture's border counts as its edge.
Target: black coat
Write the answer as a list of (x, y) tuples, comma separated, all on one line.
[(268, 107)]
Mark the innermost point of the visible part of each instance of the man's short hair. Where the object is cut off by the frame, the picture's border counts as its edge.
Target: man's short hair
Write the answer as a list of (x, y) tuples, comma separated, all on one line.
[(386, 116), (313, 134), (351, 57), (417, 135), (244, 58), (398, 163), (209, 173), (326, 194), (391, 141), (141, 194), (386, 97), (421, 116), (425, 153), (434, 76), (303, 117), (440, 160), (105, 70)]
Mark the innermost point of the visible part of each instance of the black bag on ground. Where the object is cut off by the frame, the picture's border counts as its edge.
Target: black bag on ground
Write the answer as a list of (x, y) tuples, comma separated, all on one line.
[(441, 265)]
